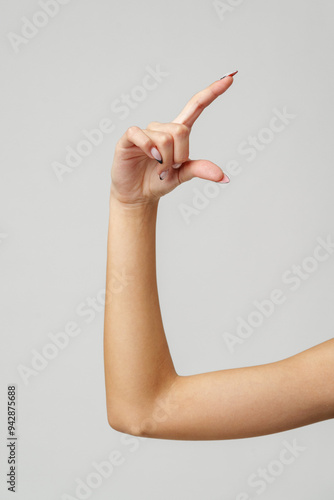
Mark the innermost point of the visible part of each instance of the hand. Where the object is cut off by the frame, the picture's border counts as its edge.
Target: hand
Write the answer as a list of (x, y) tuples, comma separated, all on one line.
[(135, 172)]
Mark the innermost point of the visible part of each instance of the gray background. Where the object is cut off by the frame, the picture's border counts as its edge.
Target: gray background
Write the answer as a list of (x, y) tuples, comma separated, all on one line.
[(234, 251)]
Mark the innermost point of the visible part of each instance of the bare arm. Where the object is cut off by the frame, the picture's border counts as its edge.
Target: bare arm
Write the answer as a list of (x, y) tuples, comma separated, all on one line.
[(145, 395)]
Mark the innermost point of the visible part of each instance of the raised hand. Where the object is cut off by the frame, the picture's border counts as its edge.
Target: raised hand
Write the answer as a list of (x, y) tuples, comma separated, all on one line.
[(142, 155)]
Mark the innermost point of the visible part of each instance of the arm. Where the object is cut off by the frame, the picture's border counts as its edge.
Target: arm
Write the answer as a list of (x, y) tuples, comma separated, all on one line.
[(145, 395), (137, 361)]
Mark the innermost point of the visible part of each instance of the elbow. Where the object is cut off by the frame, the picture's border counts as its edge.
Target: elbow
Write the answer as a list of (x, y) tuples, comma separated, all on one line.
[(117, 423), (154, 418), (132, 421)]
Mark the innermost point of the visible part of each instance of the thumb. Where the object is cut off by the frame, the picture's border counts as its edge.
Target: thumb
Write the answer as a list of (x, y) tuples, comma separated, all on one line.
[(204, 169)]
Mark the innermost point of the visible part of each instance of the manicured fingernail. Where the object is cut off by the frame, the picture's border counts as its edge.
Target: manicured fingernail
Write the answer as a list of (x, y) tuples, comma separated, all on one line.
[(163, 174), (177, 165), (224, 180), (155, 153), (230, 74)]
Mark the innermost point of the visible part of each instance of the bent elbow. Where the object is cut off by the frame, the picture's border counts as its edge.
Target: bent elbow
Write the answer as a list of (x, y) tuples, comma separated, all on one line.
[(129, 422), (117, 423), (151, 418)]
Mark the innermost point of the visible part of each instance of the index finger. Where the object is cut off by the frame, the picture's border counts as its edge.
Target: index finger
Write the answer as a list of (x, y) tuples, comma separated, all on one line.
[(201, 100)]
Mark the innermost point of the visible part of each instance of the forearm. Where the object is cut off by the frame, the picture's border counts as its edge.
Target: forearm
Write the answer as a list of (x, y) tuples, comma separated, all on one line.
[(138, 365)]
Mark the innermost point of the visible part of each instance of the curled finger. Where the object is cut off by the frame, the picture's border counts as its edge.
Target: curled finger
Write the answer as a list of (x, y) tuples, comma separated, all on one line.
[(135, 136)]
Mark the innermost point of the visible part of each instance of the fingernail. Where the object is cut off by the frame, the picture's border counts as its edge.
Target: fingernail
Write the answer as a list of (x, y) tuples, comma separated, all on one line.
[(177, 165), (224, 180), (230, 74), (155, 153), (163, 174)]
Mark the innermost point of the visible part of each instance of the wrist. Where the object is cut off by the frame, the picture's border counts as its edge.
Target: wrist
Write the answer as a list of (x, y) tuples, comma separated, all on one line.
[(132, 208), (131, 204)]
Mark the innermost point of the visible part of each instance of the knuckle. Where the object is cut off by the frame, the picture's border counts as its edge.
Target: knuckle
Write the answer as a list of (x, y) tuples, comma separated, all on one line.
[(181, 130), (152, 125), (132, 130), (166, 139), (199, 103)]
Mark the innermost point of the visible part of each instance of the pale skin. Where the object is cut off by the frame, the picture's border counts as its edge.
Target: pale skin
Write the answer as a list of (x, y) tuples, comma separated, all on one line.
[(145, 396)]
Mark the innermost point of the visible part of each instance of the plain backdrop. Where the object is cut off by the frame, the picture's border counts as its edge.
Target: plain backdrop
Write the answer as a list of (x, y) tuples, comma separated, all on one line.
[(87, 62)]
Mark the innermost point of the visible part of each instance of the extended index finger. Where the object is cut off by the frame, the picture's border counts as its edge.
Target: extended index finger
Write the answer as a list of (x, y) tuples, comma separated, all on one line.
[(201, 100)]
